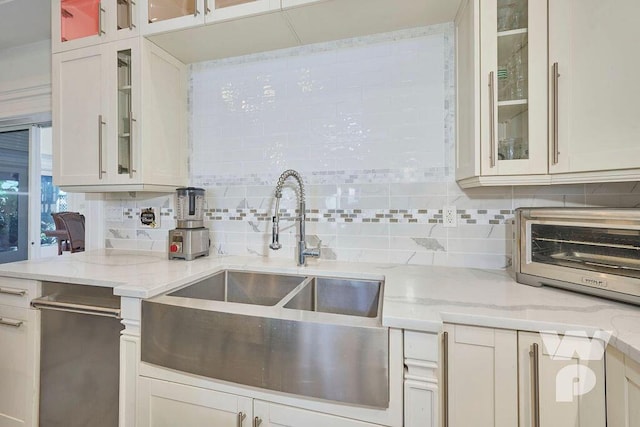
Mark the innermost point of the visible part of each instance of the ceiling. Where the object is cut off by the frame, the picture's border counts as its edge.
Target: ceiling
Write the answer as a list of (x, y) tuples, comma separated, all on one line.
[(24, 21)]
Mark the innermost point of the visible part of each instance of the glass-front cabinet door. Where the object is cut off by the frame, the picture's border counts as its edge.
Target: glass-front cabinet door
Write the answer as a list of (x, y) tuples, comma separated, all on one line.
[(167, 15), (81, 23), (125, 116), (220, 10), (125, 93), (514, 87)]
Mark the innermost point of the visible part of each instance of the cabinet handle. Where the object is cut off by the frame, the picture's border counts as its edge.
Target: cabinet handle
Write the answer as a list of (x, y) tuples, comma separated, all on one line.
[(241, 417), (196, 12), (131, 24), (554, 85), (535, 383), (207, 9), (257, 421), (445, 379), (100, 124), (15, 292), (9, 322), (492, 117), (131, 169), (100, 10)]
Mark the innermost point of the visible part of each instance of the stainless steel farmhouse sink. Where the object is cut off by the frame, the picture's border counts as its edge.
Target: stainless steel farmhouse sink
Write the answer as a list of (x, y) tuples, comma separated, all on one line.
[(242, 287), (312, 336)]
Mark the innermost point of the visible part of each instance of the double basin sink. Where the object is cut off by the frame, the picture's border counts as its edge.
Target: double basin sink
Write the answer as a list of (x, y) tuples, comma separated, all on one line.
[(312, 336)]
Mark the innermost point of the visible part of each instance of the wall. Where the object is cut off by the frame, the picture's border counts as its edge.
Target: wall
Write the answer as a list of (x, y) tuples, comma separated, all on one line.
[(368, 122), (25, 80)]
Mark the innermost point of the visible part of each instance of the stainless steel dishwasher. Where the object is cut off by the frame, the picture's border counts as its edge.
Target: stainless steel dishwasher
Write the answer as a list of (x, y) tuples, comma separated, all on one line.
[(79, 356)]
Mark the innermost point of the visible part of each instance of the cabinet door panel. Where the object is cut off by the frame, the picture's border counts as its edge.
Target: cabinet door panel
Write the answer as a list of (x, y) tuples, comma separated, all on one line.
[(166, 15), (623, 390), (483, 378), (166, 404), (594, 44), (274, 415), (561, 404), (17, 368), (79, 116)]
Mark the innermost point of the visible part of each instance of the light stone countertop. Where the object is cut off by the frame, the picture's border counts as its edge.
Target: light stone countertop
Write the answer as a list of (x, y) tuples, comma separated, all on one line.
[(419, 298)]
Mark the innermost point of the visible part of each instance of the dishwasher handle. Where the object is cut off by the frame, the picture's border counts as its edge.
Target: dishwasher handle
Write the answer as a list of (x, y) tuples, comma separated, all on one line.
[(93, 310)]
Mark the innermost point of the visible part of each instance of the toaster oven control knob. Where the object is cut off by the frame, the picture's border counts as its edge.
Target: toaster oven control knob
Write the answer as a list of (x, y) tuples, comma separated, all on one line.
[(174, 247)]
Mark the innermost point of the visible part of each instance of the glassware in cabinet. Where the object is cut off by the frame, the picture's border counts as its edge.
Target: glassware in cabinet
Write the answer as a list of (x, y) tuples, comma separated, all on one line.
[(512, 79)]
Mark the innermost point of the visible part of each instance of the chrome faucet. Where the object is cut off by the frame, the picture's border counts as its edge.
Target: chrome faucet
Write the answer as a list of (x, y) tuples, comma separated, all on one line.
[(302, 251)]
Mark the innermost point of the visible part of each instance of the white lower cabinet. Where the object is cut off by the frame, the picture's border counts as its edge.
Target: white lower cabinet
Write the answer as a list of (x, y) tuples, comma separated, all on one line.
[(497, 377), (565, 389), (19, 353), (168, 404), (267, 414), (482, 376), (623, 390)]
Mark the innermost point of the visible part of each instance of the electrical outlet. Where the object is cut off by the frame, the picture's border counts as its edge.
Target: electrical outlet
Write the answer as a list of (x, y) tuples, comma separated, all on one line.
[(449, 216)]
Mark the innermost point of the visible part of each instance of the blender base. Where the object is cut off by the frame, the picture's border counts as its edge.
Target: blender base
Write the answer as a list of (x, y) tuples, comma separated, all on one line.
[(188, 243)]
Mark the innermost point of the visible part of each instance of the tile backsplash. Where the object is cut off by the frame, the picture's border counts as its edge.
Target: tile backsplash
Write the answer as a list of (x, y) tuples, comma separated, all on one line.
[(369, 124)]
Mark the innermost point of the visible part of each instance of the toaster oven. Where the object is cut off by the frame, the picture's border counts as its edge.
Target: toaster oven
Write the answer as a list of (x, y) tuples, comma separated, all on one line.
[(590, 250)]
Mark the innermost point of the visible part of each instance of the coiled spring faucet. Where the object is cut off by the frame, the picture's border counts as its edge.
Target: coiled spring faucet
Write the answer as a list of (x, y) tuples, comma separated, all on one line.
[(302, 251)]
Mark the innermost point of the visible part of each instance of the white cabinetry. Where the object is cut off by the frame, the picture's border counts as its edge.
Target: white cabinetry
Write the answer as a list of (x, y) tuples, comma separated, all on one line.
[(482, 376), (160, 16), (554, 386), (267, 414), (167, 404), (119, 118), (593, 44), (502, 90), (569, 114), (623, 390), (421, 352), (20, 337), (81, 23), (505, 378)]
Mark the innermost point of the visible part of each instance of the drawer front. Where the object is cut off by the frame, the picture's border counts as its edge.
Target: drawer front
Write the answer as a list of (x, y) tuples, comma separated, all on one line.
[(17, 292)]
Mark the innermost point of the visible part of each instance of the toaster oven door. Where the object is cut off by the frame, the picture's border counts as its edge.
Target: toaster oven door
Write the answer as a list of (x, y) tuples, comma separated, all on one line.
[(602, 256)]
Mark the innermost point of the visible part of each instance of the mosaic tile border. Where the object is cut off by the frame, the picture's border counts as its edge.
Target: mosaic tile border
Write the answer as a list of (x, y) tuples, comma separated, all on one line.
[(345, 216), (383, 216)]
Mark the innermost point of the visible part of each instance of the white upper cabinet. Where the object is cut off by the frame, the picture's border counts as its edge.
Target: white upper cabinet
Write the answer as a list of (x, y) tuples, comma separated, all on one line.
[(502, 90), (222, 10), (593, 106), (80, 23), (538, 109), (119, 118), (160, 16)]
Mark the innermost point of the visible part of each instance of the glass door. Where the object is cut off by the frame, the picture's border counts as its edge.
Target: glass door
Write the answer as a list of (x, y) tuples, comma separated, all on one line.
[(512, 78), (79, 19), (125, 117), (14, 190)]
